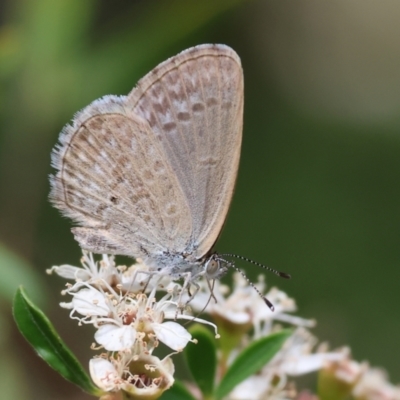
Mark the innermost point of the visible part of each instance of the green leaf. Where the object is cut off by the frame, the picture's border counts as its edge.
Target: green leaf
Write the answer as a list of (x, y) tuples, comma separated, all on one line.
[(177, 392), (251, 360), (40, 333), (202, 359)]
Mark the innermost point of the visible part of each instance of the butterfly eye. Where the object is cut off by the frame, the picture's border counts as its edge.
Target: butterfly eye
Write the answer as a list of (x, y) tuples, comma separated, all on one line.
[(212, 268)]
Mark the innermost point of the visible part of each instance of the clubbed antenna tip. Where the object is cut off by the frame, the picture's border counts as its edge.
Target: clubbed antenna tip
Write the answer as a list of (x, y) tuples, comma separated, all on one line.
[(269, 304)]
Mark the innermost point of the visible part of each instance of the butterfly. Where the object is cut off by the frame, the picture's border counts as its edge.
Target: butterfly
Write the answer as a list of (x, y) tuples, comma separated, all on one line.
[(151, 175)]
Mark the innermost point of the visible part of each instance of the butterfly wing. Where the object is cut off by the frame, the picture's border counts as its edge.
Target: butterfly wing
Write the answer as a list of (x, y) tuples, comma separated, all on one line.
[(114, 179), (194, 105)]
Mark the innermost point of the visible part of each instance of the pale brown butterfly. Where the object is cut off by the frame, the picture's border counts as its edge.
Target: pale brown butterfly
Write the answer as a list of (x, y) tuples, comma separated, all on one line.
[(151, 174)]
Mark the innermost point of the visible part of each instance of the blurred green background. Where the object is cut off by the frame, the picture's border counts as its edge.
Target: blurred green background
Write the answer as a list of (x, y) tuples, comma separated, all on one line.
[(318, 189)]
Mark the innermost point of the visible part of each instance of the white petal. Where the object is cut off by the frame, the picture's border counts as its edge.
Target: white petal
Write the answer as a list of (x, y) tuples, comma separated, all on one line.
[(103, 373), (256, 385), (70, 272), (308, 363), (115, 338), (172, 334), (68, 306), (90, 302), (236, 317)]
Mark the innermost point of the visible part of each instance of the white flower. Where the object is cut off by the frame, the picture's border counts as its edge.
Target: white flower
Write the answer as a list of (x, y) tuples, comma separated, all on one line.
[(104, 374), (373, 385), (122, 319), (257, 388), (142, 376), (89, 302), (244, 305), (91, 270), (347, 371), (105, 273), (295, 358), (112, 299), (362, 381)]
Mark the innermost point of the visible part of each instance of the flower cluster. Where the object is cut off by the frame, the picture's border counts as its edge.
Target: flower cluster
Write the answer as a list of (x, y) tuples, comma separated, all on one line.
[(359, 381), (243, 313), (120, 302), (134, 310)]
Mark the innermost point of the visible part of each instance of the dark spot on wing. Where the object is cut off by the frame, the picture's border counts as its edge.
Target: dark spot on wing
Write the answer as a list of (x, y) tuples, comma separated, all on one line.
[(183, 116), (212, 101), (169, 126), (197, 107)]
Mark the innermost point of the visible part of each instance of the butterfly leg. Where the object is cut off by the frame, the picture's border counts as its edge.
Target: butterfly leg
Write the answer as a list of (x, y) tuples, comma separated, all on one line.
[(143, 283)]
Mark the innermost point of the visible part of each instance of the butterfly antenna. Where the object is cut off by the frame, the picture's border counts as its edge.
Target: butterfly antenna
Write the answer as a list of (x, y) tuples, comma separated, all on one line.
[(233, 266), (274, 271)]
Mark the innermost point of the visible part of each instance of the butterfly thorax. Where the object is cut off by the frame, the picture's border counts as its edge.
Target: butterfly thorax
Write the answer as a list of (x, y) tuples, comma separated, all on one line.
[(180, 266)]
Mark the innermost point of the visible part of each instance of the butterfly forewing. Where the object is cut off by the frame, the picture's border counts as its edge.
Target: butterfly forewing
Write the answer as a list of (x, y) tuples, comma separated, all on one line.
[(152, 174), (115, 180), (194, 105)]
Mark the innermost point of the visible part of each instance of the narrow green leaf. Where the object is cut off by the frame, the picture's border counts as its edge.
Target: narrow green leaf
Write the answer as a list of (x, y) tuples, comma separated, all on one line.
[(177, 392), (40, 333), (251, 360), (202, 358)]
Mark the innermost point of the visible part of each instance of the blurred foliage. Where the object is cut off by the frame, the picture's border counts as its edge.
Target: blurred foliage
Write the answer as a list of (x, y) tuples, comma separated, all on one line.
[(19, 272), (318, 189)]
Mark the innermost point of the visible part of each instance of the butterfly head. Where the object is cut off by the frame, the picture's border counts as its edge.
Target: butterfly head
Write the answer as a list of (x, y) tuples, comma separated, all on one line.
[(214, 267)]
